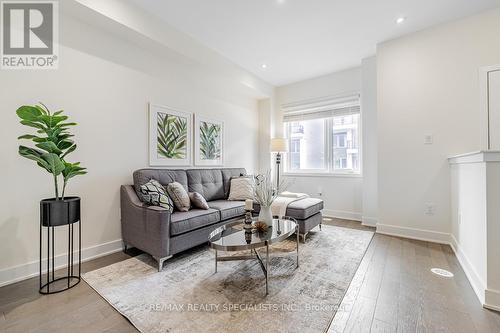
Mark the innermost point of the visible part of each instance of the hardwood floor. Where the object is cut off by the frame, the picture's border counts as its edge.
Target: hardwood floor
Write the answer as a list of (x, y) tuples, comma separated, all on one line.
[(392, 291), (395, 291)]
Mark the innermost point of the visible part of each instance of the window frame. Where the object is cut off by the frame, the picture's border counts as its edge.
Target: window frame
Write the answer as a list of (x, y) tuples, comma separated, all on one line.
[(329, 170)]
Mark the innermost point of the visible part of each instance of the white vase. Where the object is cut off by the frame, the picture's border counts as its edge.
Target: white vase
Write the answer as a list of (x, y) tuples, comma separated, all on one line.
[(266, 216)]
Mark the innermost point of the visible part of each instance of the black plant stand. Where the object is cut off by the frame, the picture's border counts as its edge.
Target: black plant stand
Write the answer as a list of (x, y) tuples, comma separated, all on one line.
[(57, 214)]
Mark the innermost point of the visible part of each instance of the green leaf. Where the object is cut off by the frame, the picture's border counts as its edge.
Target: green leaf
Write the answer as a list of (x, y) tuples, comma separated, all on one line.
[(49, 147), (56, 165), (70, 149), (33, 124), (72, 169), (67, 124), (28, 137), (35, 155), (29, 113)]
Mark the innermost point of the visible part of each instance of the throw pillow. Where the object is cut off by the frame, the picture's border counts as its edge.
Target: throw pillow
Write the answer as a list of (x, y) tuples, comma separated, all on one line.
[(153, 193), (198, 201), (179, 195), (241, 188)]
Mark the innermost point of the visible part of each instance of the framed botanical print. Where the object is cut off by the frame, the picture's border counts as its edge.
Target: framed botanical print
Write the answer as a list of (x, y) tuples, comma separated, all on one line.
[(170, 136), (208, 141)]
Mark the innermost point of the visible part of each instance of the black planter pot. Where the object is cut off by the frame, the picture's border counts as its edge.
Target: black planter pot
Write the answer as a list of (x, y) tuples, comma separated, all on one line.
[(59, 212)]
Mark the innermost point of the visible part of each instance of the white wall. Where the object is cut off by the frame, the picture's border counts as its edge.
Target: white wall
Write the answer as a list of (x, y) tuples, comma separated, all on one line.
[(104, 83), (475, 226), (428, 84), (342, 194), (369, 147), (469, 223)]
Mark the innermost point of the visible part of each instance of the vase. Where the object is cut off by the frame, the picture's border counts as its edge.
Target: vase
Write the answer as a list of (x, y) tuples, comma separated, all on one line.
[(266, 216)]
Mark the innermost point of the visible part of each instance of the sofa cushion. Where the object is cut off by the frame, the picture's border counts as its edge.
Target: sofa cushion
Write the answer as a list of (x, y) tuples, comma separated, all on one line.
[(181, 222), (242, 188), (198, 201), (302, 209), (179, 195), (229, 173), (228, 209), (163, 176), (207, 182), (153, 193)]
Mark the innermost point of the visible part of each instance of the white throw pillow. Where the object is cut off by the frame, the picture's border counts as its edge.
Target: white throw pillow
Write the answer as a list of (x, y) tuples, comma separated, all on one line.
[(242, 188)]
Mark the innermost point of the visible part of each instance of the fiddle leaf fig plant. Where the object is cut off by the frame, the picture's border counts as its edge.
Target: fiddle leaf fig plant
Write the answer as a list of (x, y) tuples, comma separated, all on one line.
[(52, 143)]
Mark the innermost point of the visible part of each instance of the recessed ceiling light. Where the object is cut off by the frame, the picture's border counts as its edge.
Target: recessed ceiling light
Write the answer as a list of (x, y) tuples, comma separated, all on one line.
[(280, 1), (442, 272), (400, 20), (263, 66)]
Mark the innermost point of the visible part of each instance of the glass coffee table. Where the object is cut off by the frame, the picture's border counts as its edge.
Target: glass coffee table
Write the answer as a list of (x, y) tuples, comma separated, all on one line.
[(232, 237)]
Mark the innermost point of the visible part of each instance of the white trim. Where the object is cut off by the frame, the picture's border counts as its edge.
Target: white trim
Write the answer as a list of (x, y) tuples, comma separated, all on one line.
[(413, 233), (321, 101), (322, 174), (478, 285), (484, 103), (342, 214), (25, 271), (369, 221), (492, 299), (476, 157)]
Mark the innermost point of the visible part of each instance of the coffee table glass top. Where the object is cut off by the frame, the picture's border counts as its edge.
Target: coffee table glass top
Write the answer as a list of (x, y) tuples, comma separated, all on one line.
[(232, 236)]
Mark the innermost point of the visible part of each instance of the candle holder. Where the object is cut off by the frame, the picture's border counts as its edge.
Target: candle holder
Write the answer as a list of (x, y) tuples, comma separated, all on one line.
[(248, 236), (248, 219)]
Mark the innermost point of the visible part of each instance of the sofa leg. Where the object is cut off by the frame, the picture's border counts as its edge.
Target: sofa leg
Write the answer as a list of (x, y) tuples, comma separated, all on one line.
[(320, 226), (124, 247), (303, 237), (161, 261)]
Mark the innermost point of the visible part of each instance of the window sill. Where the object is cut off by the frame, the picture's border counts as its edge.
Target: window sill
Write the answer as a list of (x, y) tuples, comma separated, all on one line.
[(312, 174)]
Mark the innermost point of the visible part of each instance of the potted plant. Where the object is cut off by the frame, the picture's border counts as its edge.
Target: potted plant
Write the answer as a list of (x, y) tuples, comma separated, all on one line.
[(265, 194), (53, 144)]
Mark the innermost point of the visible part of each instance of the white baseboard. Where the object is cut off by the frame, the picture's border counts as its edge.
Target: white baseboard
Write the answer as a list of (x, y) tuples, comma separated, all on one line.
[(492, 299), (478, 285), (412, 233), (342, 214), (369, 221), (25, 271)]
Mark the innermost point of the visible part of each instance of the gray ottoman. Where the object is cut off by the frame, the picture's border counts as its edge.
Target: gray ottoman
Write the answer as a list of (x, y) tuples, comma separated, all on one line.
[(306, 211)]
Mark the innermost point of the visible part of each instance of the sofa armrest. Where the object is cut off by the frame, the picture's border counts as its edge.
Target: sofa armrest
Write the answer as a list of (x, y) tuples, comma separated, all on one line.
[(144, 227)]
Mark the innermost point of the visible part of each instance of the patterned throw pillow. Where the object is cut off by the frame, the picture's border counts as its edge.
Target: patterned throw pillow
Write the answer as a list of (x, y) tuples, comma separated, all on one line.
[(153, 193), (198, 201), (179, 195), (242, 188)]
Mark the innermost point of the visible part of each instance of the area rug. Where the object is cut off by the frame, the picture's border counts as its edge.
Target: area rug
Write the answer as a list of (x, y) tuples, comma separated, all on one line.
[(188, 296)]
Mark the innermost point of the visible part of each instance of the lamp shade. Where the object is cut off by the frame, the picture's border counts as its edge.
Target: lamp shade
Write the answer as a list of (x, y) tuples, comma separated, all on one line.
[(279, 145)]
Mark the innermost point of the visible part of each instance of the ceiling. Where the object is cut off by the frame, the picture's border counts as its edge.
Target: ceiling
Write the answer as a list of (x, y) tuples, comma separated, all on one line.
[(300, 39)]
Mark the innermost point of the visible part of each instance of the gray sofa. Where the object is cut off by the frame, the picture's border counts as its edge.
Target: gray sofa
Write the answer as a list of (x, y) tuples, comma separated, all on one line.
[(156, 231)]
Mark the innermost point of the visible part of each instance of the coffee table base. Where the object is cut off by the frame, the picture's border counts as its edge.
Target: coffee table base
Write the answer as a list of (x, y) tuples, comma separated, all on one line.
[(255, 255)]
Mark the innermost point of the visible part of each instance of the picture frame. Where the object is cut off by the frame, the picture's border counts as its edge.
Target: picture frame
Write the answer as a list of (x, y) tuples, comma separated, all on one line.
[(208, 141), (170, 136)]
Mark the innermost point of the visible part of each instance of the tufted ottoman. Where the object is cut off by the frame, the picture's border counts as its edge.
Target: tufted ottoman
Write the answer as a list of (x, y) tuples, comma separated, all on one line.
[(306, 211)]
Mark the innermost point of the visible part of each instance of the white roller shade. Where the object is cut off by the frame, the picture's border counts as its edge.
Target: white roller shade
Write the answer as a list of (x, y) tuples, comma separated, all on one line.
[(321, 108)]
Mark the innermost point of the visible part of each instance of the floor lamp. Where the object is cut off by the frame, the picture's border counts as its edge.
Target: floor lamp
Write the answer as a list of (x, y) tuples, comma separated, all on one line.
[(278, 145)]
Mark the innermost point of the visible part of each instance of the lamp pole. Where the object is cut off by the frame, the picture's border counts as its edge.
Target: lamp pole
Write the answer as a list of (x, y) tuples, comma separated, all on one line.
[(278, 162)]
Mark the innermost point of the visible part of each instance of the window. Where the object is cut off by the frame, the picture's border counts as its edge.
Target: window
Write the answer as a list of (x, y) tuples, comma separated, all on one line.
[(346, 149), (306, 145), (325, 141)]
